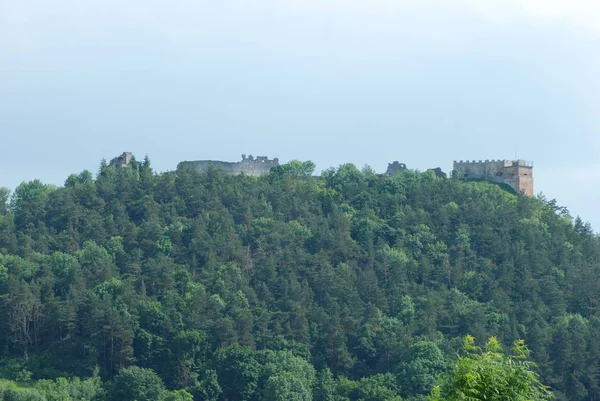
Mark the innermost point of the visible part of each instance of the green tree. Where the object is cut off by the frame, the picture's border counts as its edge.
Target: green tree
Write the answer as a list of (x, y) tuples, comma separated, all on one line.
[(75, 389), (189, 351), (4, 198), (491, 375), (324, 389), (381, 387), (177, 395), (135, 383), (424, 362), (238, 372), (289, 377), (111, 327), (294, 168), (28, 201), (207, 388)]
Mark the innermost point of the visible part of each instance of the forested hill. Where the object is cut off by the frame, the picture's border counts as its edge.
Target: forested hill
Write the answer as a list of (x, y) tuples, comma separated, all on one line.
[(350, 286)]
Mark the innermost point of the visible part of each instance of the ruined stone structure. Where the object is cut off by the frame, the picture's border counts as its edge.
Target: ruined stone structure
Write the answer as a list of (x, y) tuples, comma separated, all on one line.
[(121, 161), (395, 168), (518, 174), (260, 165), (438, 172)]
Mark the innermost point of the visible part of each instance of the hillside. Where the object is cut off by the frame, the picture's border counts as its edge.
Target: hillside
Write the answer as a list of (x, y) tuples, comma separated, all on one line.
[(236, 287)]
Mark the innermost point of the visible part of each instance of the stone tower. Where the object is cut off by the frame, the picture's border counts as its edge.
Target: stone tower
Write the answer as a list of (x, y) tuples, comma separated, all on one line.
[(518, 174)]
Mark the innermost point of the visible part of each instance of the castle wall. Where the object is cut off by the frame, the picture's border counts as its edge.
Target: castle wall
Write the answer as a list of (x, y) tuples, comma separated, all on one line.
[(516, 173), (526, 180), (249, 166), (519, 176), (204, 165)]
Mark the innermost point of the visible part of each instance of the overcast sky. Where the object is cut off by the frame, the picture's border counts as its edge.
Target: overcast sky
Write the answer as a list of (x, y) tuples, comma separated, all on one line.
[(424, 82)]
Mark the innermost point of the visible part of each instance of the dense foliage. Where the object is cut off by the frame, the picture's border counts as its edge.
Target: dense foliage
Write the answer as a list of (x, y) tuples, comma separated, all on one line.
[(490, 375), (350, 286)]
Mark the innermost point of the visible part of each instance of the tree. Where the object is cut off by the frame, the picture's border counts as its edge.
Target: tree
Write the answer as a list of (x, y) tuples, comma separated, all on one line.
[(28, 201), (289, 377), (24, 316), (424, 362), (4, 198), (135, 383), (491, 375), (294, 168), (207, 388), (324, 389), (63, 389), (177, 395), (111, 325), (189, 352), (238, 372), (380, 387)]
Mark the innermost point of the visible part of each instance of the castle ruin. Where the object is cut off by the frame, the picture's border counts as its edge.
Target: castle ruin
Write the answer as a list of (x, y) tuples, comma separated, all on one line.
[(518, 174), (122, 161), (395, 168), (261, 165)]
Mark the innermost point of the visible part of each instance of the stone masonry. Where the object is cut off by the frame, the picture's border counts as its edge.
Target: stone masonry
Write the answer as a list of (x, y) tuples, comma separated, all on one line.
[(518, 174), (395, 168), (121, 161), (261, 165)]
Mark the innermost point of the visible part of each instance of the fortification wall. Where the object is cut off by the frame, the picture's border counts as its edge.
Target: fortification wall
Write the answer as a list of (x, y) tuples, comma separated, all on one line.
[(525, 184), (204, 165), (482, 169), (516, 173), (258, 166)]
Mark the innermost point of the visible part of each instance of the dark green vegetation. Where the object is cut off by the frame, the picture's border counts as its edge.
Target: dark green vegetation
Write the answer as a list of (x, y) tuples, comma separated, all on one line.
[(135, 285)]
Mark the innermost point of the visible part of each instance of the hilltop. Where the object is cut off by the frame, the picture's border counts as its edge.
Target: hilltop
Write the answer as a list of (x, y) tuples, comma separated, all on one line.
[(232, 287)]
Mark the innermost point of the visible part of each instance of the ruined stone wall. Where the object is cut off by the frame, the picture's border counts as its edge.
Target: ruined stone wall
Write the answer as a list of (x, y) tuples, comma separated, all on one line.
[(395, 168), (204, 165), (438, 172), (261, 165), (121, 161)]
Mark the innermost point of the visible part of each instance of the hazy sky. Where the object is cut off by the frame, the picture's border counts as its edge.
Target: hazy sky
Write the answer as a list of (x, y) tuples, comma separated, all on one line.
[(424, 82)]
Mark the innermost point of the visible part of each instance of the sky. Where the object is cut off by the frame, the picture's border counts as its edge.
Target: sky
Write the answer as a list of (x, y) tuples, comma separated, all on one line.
[(424, 82)]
